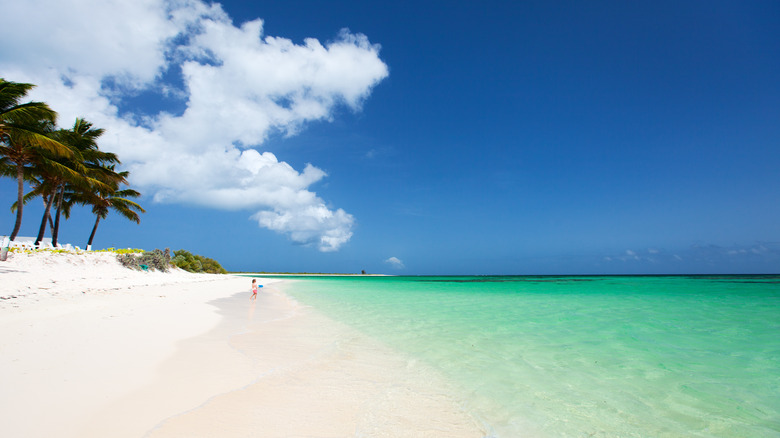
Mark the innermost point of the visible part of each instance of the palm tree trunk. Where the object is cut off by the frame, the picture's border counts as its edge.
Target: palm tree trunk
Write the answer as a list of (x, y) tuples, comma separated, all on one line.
[(51, 222), (94, 229), (46, 214), (20, 202), (56, 233)]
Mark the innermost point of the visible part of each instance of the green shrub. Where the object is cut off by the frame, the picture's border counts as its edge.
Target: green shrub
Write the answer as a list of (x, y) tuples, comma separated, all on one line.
[(196, 263), (161, 261)]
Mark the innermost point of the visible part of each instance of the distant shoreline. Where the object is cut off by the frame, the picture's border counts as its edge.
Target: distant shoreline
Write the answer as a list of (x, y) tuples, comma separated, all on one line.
[(319, 274), (304, 274)]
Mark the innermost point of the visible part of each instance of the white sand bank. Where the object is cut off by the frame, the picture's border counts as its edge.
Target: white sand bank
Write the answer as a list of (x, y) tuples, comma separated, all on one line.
[(30, 279), (91, 349), (78, 330)]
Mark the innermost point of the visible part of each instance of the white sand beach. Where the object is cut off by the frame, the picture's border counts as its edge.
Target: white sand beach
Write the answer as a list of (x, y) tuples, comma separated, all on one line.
[(89, 348)]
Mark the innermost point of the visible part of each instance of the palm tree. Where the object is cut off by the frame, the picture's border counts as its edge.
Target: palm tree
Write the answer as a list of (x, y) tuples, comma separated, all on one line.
[(103, 201), (44, 187), (57, 178), (44, 181), (82, 138), (49, 172), (23, 136)]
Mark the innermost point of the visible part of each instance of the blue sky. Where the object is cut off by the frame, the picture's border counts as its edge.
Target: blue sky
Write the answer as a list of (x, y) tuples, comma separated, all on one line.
[(475, 138)]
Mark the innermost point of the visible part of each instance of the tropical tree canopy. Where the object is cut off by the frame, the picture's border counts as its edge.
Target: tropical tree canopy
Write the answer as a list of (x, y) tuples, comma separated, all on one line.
[(22, 125), (64, 167), (25, 135), (109, 197)]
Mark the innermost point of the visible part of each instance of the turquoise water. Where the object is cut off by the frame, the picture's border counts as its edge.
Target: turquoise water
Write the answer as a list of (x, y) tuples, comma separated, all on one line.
[(583, 356)]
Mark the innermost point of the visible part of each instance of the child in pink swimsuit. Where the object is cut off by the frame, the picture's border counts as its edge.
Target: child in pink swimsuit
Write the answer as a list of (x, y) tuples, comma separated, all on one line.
[(254, 290)]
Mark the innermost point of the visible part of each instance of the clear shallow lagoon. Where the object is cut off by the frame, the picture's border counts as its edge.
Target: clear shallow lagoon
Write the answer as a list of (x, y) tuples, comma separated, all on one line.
[(583, 356)]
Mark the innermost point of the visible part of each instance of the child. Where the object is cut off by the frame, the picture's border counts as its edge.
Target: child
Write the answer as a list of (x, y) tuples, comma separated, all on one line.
[(254, 290)]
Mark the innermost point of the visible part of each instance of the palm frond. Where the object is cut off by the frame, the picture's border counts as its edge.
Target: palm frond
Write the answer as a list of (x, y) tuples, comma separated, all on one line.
[(33, 135), (27, 113)]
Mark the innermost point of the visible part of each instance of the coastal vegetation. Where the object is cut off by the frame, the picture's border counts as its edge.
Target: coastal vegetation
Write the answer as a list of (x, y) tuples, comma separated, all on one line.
[(64, 167), (196, 263), (121, 250), (155, 260), (162, 261)]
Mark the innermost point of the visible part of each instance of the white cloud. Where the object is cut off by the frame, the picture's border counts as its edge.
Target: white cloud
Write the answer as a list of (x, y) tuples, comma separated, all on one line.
[(630, 254), (236, 87), (711, 254), (395, 262), (90, 37)]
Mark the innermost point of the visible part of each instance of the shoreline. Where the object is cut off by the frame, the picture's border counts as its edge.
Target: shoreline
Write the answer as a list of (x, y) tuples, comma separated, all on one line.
[(105, 352), (271, 275), (313, 376)]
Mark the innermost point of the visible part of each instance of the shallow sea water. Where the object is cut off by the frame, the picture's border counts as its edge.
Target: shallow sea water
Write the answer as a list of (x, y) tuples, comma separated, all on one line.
[(583, 356)]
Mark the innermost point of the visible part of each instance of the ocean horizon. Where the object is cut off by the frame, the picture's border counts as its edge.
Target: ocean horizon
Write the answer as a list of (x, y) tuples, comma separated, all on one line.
[(618, 355)]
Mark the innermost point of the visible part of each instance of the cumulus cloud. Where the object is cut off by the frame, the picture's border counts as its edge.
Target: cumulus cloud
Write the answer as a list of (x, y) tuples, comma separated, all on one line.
[(232, 86), (395, 262)]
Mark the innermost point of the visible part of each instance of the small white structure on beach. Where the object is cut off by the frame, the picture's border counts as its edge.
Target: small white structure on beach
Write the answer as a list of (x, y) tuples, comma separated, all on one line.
[(28, 242)]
